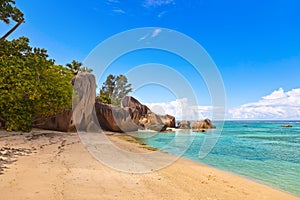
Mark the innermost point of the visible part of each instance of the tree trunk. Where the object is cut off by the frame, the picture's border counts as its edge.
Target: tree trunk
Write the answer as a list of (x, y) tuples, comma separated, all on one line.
[(12, 30)]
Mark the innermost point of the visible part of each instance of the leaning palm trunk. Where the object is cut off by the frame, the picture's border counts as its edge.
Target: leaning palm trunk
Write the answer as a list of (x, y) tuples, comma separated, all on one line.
[(12, 30)]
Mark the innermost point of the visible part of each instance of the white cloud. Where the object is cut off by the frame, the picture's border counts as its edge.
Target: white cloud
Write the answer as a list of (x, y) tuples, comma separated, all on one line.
[(113, 1), (277, 94), (278, 105), (161, 14), (156, 32), (181, 109), (144, 37), (119, 11), (157, 3)]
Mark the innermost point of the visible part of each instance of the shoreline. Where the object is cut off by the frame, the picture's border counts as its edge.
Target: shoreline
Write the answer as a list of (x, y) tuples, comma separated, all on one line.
[(232, 173), (241, 176), (229, 172), (52, 163)]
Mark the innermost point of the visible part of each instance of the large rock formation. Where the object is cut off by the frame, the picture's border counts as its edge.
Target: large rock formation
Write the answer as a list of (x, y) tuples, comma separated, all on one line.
[(168, 120), (153, 122), (83, 104), (83, 115), (138, 110), (114, 118), (184, 124), (87, 114), (197, 126), (134, 104), (203, 124), (130, 117), (144, 117), (60, 122)]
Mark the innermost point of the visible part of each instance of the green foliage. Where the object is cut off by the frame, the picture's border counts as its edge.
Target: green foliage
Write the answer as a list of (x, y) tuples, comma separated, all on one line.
[(122, 88), (114, 89), (8, 11), (104, 97), (77, 67), (30, 84)]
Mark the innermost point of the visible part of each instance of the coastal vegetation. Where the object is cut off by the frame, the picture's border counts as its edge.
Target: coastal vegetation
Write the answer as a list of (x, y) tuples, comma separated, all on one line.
[(77, 67), (31, 84), (114, 89)]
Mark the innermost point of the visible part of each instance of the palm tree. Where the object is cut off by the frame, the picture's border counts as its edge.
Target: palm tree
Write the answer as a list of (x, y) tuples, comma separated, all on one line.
[(9, 12), (86, 69), (76, 67), (12, 30)]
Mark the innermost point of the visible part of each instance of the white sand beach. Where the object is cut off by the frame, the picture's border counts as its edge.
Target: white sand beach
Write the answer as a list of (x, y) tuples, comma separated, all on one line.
[(53, 165)]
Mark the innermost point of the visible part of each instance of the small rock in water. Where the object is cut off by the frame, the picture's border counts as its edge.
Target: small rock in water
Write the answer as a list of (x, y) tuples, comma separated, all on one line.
[(287, 126), (199, 130)]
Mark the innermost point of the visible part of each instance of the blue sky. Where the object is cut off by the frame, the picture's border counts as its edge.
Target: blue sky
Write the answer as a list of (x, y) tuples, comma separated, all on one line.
[(255, 44)]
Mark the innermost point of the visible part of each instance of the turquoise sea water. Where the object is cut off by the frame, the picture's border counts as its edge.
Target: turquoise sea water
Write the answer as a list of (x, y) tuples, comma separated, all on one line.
[(260, 150)]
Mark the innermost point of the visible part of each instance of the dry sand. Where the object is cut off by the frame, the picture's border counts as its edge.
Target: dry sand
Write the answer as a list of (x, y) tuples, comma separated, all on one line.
[(54, 165)]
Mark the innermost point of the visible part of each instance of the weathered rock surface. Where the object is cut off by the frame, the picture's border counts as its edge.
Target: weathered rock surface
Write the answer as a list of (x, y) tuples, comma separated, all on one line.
[(197, 126), (154, 122), (88, 115), (60, 122), (168, 120), (134, 104), (184, 124), (83, 115), (202, 124), (145, 118), (83, 108), (114, 118)]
